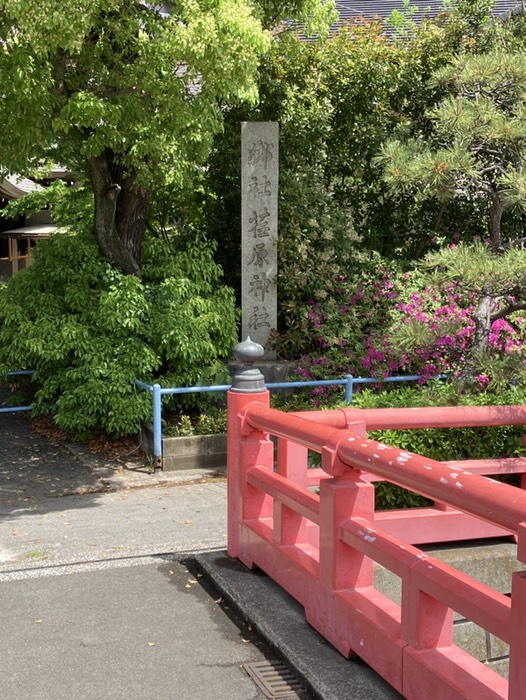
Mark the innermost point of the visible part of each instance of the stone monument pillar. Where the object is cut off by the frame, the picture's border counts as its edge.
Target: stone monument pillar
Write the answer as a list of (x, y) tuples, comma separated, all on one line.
[(259, 229)]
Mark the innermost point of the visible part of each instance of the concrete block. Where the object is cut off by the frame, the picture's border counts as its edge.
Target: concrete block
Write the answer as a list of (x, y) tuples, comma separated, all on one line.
[(502, 667), (388, 583), (191, 452), (195, 452), (497, 648), (472, 638)]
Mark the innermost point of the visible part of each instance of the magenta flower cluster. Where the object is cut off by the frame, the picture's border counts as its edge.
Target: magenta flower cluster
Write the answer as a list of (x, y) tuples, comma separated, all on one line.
[(357, 330)]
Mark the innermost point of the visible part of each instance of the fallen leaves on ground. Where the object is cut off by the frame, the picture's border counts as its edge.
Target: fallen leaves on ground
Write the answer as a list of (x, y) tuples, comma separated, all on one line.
[(113, 448)]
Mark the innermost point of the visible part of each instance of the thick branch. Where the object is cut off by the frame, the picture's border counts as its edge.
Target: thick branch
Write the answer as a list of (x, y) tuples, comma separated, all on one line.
[(482, 319), (507, 311), (496, 210), (494, 168), (487, 151)]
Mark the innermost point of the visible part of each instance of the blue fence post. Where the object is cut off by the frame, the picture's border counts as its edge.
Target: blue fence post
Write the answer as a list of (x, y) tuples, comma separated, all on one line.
[(158, 393), (157, 427), (349, 388)]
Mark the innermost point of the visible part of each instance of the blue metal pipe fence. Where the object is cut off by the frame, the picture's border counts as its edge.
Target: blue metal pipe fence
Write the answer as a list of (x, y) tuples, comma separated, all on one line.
[(17, 409), (158, 392)]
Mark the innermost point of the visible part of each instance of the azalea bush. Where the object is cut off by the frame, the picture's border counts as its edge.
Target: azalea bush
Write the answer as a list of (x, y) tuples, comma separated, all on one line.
[(341, 326), (382, 322)]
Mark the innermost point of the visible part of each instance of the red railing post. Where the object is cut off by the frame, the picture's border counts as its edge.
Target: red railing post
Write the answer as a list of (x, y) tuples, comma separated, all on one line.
[(426, 623), (289, 527), (523, 475), (246, 448), (342, 497), (517, 677), (292, 461)]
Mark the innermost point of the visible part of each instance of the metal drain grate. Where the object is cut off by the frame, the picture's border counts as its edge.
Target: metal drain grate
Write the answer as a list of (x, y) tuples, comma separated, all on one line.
[(274, 679)]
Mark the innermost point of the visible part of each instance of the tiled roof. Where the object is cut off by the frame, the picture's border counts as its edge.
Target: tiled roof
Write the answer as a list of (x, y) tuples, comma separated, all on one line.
[(15, 186), (370, 9)]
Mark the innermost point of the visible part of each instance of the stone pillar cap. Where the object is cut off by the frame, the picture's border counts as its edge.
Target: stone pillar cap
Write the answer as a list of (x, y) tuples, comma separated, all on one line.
[(248, 351), (249, 379)]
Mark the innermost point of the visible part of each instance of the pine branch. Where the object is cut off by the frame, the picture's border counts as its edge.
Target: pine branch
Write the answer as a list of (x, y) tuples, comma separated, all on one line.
[(507, 311), (487, 151), (493, 168)]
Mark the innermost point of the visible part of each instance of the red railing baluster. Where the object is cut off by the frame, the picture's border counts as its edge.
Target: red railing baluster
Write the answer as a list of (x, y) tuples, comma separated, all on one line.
[(321, 547)]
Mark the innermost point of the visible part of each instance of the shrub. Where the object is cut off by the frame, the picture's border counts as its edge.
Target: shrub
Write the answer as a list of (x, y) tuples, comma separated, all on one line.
[(90, 331), (346, 330), (448, 444), (445, 444), (382, 321), (210, 421)]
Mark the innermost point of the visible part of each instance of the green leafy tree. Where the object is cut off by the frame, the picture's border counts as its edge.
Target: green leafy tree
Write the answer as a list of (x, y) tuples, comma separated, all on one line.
[(477, 149), (124, 93), (127, 96)]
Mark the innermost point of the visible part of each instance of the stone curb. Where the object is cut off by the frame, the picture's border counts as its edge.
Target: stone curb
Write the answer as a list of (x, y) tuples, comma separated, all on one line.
[(280, 621), (130, 476)]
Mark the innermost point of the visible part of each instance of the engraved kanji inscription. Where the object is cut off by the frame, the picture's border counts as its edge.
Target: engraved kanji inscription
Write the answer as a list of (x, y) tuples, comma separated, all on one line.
[(260, 152), (259, 286), (259, 187), (259, 255), (259, 318), (259, 223)]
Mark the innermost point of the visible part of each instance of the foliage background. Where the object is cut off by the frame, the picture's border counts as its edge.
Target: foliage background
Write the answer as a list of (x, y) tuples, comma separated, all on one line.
[(349, 298)]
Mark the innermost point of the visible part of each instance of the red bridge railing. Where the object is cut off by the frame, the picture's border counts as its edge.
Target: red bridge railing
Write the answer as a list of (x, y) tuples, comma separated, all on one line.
[(321, 547)]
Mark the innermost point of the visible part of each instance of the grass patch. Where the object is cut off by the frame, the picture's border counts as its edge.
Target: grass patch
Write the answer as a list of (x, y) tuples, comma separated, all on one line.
[(36, 554)]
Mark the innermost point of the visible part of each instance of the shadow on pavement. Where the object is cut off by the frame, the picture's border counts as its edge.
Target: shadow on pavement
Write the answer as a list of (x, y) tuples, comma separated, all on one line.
[(35, 473)]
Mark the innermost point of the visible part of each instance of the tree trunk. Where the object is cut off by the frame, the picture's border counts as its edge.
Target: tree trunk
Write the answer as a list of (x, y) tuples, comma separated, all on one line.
[(119, 218), (132, 205), (496, 211), (482, 318)]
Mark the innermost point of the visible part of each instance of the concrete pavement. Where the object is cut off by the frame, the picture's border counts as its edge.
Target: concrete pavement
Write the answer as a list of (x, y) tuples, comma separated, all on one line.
[(130, 633), (100, 597), (130, 522)]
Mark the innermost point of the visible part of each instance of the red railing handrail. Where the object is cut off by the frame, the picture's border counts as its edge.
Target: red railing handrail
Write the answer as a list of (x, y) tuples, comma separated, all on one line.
[(294, 497), (313, 434), (480, 604), (421, 417), (492, 501)]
